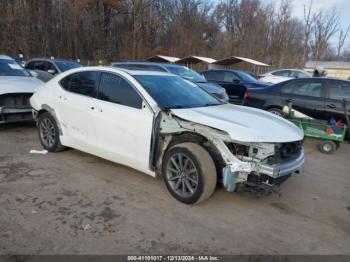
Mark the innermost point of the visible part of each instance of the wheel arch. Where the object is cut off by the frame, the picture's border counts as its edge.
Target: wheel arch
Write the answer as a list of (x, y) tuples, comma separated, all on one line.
[(46, 108), (192, 137)]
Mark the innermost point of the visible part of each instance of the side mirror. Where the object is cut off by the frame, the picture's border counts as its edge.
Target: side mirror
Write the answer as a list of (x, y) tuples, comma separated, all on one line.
[(51, 71), (236, 81)]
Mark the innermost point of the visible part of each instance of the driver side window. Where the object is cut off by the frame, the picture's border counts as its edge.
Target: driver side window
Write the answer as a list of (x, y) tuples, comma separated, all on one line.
[(116, 89), (229, 77), (50, 66)]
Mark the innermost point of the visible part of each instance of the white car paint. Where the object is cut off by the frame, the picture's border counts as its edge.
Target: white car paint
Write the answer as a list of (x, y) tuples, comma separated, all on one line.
[(243, 124), (273, 78), (124, 135), (18, 84)]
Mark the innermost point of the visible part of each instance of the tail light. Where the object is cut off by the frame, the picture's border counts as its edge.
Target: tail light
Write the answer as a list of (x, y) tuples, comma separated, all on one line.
[(247, 94)]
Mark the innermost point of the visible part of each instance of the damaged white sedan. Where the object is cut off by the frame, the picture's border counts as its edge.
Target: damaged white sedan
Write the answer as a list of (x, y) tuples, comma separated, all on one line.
[(159, 123)]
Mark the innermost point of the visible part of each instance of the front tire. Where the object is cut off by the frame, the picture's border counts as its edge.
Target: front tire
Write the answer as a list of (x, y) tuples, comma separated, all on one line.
[(49, 133), (189, 173)]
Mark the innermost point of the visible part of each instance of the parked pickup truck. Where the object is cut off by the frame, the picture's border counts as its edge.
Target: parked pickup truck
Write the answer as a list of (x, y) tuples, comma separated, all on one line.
[(162, 124)]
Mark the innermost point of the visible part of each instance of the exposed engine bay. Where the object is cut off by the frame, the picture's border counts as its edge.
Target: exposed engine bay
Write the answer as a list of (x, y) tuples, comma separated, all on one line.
[(251, 166)]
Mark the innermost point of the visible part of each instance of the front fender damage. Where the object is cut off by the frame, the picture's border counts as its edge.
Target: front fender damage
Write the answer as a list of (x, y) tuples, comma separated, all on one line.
[(251, 168)]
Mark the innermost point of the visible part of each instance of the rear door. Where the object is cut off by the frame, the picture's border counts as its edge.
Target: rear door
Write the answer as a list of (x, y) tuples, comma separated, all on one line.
[(123, 122), (74, 105), (336, 92), (306, 96)]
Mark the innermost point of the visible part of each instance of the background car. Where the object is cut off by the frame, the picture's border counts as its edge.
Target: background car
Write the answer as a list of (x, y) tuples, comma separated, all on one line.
[(182, 71), (235, 82), (320, 98), (278, 76), (17, 85), (48, 68)]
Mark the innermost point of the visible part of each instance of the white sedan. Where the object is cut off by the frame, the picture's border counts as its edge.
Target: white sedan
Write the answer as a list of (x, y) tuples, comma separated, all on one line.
[(278, 76), (160, 123)]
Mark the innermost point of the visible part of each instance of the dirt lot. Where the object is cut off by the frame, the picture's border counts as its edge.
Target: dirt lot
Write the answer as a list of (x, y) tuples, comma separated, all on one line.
[(75, 203)]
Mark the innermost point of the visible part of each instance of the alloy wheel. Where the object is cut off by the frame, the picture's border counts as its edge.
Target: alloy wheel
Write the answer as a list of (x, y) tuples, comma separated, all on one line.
[(182, 175), (47, 132)]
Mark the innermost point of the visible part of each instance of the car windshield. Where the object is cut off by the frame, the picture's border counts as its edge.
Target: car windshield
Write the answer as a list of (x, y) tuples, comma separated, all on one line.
[(186, 73), (10, 67), (172, 92), (246, 77), (66, 65)]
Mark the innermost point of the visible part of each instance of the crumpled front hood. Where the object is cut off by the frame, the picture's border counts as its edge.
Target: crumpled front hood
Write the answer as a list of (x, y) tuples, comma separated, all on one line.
[(243, 124), (18, 84)]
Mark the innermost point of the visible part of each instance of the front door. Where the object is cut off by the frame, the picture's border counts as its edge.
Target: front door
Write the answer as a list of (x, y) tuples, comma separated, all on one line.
[(123, 123), (306, 96), (337, 92)]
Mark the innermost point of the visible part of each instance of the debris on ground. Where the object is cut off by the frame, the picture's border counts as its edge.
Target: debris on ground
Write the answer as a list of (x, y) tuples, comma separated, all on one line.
[(86, 227), (42, 152)]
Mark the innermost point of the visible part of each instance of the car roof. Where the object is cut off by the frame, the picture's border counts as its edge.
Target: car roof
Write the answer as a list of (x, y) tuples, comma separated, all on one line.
[(314, 78), (145, 63), (224, 70), (117, 70), (6, 57), (51, 60), (290, 69)]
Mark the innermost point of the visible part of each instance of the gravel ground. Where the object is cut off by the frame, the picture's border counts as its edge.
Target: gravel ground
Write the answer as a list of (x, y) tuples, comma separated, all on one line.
[(74, 203)]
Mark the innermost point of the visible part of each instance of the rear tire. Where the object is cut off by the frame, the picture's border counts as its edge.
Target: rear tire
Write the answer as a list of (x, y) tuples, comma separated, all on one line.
[(49, 133), (327, 147), (189, 173)]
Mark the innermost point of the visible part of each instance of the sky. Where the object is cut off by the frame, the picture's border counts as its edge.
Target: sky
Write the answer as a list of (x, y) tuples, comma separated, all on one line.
[(342, 5)]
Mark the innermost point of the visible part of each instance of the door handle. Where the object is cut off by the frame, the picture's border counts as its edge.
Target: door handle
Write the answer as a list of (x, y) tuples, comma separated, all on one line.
[(331, 106), (288, 100), (96, 108)]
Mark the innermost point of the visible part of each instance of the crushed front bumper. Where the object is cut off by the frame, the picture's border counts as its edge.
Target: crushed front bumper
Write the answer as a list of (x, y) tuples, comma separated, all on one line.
[(261, 176), (284, 168)]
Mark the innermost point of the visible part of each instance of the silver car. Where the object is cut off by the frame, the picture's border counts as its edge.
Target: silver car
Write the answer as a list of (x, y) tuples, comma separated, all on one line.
[(17, 85)]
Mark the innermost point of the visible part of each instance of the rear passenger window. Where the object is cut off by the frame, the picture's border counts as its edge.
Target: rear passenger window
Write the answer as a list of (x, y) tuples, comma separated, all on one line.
[(40, 65), (214, 75), (30, 66), (303, 88), (65, 82), (282, 73), (339, 90), (84, 83), (117, 90)]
